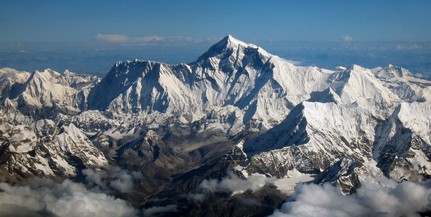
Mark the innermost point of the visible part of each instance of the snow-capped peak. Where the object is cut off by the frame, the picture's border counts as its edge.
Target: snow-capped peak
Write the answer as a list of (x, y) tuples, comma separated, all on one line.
[(360, 86), (233, 42), (231, 46), (392, 71), (47, 74)]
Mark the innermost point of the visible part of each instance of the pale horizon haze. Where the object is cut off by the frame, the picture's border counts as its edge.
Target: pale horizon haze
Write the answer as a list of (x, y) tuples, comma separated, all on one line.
[(89, 36)]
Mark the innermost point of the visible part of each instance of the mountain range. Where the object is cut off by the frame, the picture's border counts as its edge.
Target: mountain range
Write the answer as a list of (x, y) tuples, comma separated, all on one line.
[(237, 114)]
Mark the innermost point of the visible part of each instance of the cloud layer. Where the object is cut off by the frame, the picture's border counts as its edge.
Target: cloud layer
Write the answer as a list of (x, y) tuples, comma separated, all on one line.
[(404, 199), (43, 197), (112, 38), (113, 179), (155, 210), (151, 40), (347, 38), (233, 184)]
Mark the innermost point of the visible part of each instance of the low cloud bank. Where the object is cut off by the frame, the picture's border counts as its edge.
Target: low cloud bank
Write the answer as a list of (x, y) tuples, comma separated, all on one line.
[(152, 39), (115, 178), (403, 199), (43, 197), (156, 210), (230, 185), (235, 185)]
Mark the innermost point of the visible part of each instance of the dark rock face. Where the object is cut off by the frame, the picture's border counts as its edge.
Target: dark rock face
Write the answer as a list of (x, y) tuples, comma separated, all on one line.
[(342, 174)]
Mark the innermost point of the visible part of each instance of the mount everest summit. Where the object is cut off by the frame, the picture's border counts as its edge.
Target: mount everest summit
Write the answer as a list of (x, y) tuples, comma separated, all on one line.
[(236, 113)]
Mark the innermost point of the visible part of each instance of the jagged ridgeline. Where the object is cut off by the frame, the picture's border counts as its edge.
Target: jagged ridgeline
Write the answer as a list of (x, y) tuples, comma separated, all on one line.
[(236, 111)]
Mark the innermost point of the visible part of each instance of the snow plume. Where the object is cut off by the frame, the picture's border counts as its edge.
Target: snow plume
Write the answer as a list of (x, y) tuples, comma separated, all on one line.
[(235, 185), (403, 199), (114, 178), (43, 197)]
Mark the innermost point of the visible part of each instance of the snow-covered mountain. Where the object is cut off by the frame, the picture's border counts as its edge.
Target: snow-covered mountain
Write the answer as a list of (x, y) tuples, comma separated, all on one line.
[(236, 108), (39, 92), (231, 75)]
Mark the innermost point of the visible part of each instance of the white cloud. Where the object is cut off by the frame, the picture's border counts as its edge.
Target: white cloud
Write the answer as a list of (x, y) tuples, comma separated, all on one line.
[(123, 180), (44, 197), (408, 47), (112, 38), (159, 209), (404, 199), (150, 40), (114, 178), (95, 178), (347, 38), (294, 62), (233, 184)]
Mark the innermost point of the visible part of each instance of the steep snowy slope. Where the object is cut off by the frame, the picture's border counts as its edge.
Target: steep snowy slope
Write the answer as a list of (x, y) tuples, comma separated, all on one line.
[(49, 89), (32, 145), (311, 142), (402, 83), (402, 147), (359, 85), (46, 92), (12, 82), (231, 73), (43, 147)]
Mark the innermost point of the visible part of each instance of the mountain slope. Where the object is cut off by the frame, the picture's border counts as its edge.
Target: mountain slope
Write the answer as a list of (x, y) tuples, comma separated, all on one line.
[(310, 142), (44, 148), (46, 93), (404, 84), (231, 73), (359, 85)]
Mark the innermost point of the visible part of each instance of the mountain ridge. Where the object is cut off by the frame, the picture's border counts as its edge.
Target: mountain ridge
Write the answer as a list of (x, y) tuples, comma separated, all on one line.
[(236, 108)]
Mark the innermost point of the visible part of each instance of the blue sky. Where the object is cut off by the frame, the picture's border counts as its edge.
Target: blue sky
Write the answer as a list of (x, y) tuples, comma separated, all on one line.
[(90, 35), (310, 20)]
